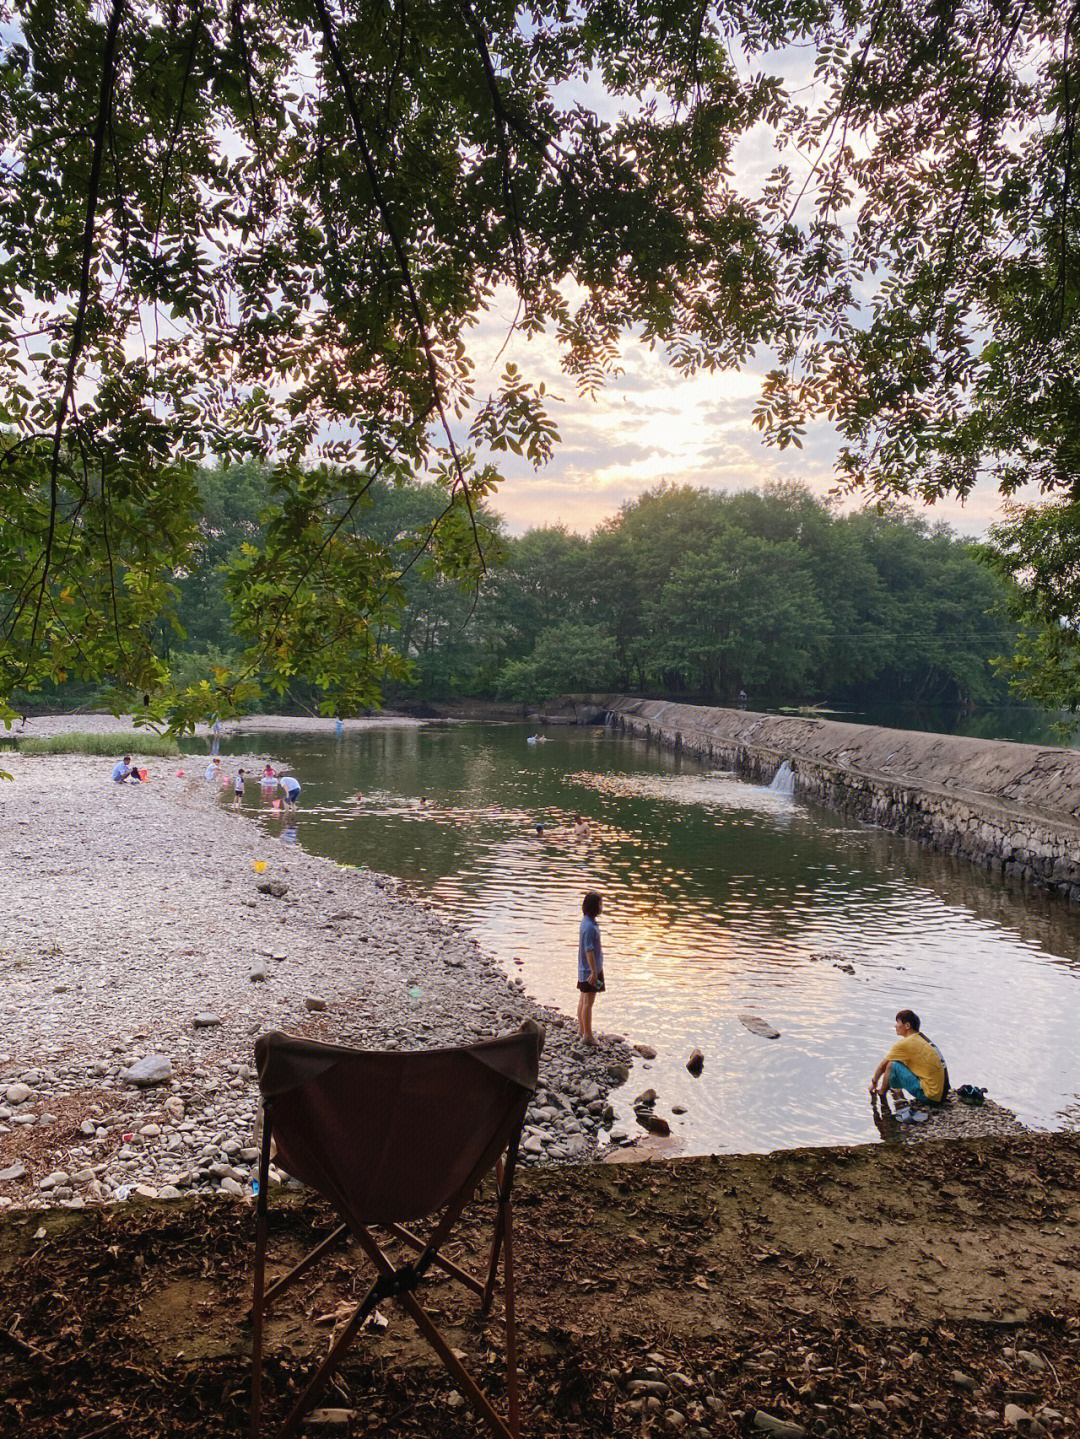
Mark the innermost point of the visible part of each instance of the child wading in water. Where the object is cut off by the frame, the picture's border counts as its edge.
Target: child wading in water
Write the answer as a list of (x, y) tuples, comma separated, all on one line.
[(238, 789), (590, 964)]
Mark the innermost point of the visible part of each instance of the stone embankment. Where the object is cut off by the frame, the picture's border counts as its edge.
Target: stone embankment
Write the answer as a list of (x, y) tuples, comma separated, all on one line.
[(1013, 809)]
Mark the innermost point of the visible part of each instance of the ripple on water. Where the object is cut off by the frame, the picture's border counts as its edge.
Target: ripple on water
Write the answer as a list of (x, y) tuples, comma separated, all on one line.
[(720, 897)]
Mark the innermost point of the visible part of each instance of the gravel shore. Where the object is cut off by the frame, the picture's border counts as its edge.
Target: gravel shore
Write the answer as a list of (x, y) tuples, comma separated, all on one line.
[(135, 927)]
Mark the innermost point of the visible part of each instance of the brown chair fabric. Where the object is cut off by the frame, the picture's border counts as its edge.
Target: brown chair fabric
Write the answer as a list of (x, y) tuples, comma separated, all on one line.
[(392, 1137)]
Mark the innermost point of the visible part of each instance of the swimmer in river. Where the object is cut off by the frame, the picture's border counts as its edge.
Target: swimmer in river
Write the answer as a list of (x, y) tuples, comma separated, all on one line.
[(581, 828)]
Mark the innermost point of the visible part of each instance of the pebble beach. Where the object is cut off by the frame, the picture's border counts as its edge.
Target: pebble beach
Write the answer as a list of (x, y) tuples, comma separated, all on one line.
[(151, 934)]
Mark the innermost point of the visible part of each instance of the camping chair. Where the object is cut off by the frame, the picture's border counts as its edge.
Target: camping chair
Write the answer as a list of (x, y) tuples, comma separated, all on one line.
[(389, 1139)]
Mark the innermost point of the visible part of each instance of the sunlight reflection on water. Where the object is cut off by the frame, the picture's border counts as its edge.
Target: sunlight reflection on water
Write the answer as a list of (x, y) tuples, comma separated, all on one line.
[(720, 898)]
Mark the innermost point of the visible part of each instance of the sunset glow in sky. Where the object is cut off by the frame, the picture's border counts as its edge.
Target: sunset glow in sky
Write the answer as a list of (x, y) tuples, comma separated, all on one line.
[(652, 424)]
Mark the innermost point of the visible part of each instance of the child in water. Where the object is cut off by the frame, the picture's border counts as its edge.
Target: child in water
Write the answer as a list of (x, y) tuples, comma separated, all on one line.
[(238, 788)]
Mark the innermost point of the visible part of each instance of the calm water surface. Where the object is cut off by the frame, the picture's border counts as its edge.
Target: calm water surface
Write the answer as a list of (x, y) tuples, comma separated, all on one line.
[(720, 898)]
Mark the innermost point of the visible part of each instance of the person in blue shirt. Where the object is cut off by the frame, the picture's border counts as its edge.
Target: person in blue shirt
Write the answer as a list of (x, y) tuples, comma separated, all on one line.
[(122, 769), (590, 964)]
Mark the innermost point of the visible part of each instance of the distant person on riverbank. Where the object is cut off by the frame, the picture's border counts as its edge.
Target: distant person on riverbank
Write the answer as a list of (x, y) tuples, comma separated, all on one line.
[(291, 787), (123, 770), (215, 732), (742, 699), (213, 772), (238, 788), (590, 964), (913, 1065)]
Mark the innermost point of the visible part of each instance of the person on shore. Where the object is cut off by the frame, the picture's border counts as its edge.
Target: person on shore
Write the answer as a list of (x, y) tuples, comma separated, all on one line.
[(123, 770), (238, 788), (913, 1065), (590, 964), (291, 787), (213, 772)]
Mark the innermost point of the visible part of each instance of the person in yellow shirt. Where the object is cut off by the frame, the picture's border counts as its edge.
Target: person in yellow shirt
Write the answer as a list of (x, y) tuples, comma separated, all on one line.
[(912, 1064)]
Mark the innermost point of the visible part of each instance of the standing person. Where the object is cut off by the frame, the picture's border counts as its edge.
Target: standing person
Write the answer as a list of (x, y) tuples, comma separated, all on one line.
[(912, 1064), (291, 785), (215, 731), (238, 789), (590, 964)]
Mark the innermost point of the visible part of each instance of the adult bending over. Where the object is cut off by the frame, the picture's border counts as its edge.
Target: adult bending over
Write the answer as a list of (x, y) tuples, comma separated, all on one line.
[(913, 1064)]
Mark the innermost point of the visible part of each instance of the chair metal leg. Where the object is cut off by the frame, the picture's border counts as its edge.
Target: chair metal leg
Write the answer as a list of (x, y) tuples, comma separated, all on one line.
[(513, 1409), (257, 1303), (467, 1384)]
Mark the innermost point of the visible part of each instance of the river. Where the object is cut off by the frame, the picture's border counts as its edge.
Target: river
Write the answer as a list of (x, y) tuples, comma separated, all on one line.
[(720, 898)]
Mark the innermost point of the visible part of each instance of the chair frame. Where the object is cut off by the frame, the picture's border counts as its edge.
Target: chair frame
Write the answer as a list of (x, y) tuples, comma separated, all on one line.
[(397, 1283)]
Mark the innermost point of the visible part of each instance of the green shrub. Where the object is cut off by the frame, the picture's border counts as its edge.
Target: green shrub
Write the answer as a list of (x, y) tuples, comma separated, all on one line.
[(115, 742)]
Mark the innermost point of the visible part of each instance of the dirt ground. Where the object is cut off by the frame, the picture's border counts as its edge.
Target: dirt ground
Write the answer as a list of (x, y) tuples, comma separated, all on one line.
[(885, 1290)]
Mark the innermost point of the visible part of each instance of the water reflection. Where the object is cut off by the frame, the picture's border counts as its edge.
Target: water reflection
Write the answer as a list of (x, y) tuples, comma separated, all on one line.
[(719, 897)]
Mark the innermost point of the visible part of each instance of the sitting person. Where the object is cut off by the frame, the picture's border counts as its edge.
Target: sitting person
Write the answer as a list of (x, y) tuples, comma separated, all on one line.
[(913, 1065), (123, 770)]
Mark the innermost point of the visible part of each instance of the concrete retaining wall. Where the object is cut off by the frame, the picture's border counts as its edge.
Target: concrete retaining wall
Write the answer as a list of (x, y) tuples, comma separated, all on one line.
[(1014, 809)]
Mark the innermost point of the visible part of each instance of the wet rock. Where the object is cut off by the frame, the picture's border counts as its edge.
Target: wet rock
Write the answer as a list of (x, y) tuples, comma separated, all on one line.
[(645, 1050), (618, 1073), (756, 1025), (696, 1063), (154, 1069), (659, 1126), (645, 1099)]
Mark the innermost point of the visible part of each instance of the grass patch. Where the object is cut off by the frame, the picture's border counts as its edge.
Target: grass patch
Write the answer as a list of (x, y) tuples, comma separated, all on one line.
[(114, 743)]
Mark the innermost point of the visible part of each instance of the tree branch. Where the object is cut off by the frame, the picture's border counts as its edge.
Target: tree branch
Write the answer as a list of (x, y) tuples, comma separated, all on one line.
[(108, 78)]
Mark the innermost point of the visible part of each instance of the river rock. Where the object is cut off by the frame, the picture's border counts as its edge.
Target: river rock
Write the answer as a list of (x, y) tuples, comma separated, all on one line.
[(18, 1093), (154, 1069), (645, 1050), (258, 972), (645, 1099), (659, 1126), (206, 1020), (756, 1025), (13, 1171), (696, 1063), (314, 1003), (781, 1428), (275, 887)]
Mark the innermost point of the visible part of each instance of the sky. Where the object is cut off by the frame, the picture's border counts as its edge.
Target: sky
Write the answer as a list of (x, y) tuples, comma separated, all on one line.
[(651, 424)]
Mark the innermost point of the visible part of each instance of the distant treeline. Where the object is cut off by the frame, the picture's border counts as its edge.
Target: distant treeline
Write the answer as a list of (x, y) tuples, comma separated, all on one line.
[(685, 591)]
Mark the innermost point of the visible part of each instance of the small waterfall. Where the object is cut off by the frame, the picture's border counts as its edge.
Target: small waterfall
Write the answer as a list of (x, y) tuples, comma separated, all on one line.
[(783, 781)]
